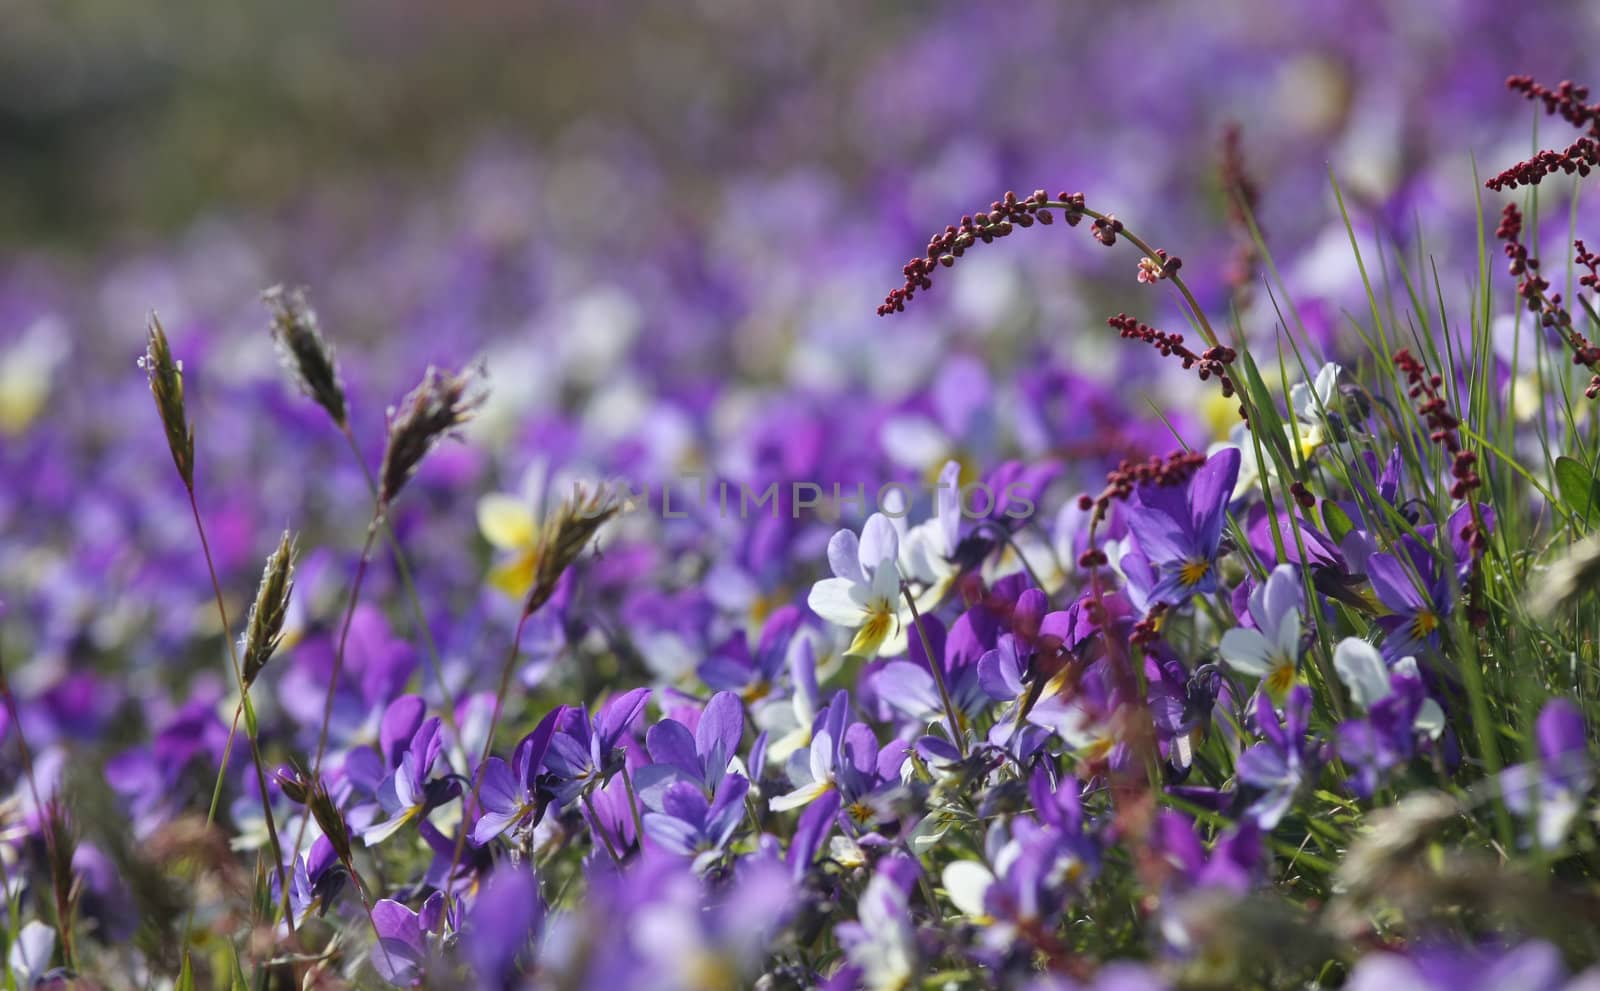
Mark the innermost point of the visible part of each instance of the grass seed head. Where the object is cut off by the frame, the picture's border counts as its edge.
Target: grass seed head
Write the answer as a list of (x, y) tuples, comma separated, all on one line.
[(166, 385), (304, 351), (442, 403), (264, 628), (565, 537)]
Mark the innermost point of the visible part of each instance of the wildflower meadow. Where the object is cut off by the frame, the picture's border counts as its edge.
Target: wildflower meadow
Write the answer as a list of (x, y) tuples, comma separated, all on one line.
[(609, 563)]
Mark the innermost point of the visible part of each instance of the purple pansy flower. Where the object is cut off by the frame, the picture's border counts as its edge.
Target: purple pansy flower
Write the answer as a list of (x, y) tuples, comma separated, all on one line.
[(1233, 863), (585, 752), (402, 953), (700, 758), (1178, 530), (683, 821), (1553, 792), (1281, 763), (406, 793), (1397, 709), (505, 917), (1419, 598), (909, 688), (510, 796)]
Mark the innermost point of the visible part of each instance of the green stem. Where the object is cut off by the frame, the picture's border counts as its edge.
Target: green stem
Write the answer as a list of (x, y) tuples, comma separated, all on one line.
[(255, 746), (403, 568), (338, 660), (935, 665)]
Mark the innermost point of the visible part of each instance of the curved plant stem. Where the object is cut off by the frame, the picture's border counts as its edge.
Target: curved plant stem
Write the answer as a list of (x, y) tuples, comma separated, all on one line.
[(338, 657), (935, 665), (250, 736), (403, 568)]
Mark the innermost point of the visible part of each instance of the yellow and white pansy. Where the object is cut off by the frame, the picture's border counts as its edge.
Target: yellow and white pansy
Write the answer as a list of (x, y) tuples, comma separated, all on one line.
[(1271, 651), (864, 593), (927, 550), (27, 367), (511, 524)]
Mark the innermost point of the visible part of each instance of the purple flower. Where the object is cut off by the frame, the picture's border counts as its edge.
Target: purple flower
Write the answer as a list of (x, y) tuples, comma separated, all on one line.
[(909, 688), (406, 793), (687, 824), (511, 796), (315, 881), (1281, 763), (700, 758), (402, 953), (1178, 530), (1418, 595), (1552, 792), (1234, 862), (1532, 966), (882, 943), (505, 917), (583, 753), (733, 668), (843, 756), (1397, 710)]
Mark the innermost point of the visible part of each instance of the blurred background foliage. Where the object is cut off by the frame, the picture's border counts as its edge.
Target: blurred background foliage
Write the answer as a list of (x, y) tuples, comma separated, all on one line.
[(117, 118)]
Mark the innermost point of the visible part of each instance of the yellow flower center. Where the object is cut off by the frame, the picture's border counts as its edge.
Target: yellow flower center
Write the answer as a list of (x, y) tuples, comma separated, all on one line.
[(880, 623), (1279, 679), (1194, 571), (1424, 623)]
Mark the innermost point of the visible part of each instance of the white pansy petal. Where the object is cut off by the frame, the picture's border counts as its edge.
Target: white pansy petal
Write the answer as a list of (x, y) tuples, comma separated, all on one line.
[(1288, 641), (1430, 719), (837, 600), (966, 882), (1246, 651), (1280, 595), (804, 795), (507, 522), (1300, 398), (1327, 383), (844, 553), (880, 542), (914, 442), (1362, 670), (31, 951)]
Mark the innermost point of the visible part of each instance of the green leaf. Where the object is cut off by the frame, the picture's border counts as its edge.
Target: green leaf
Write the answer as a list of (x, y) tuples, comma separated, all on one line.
[(1580, 492), (250, 717), (1336, 522), (236, 981), (185, 975)]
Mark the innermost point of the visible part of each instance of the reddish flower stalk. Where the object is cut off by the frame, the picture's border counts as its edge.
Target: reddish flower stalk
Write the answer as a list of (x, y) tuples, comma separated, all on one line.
[(1002, 218), (1212, 362), (1444, 430), (1567, 101), (1242, 195), (1532, 287)]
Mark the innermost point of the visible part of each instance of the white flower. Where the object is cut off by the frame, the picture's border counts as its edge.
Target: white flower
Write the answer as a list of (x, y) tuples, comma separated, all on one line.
[(967, 883), (1272, 651), (1360, 666), (30, 954), (927, 550), (886, 950), (864, 594)]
